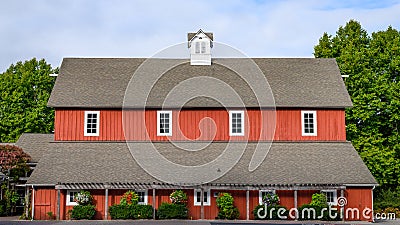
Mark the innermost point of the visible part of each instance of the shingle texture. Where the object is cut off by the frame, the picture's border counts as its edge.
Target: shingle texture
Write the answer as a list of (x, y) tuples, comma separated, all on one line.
[(104, 82), (34, 144), (287, 163)]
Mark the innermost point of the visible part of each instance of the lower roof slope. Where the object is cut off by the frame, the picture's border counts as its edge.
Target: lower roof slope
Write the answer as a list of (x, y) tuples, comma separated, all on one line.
[(34, 144), (287, 163)]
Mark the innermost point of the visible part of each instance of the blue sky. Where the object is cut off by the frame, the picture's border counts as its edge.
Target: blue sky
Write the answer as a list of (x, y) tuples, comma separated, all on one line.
[(124, 28)]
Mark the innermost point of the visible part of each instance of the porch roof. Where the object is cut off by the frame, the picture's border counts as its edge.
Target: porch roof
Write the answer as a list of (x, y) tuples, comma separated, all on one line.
[(290, 164)]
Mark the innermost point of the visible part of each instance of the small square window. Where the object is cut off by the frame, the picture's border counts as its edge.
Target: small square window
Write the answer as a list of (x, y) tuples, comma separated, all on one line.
[(92, 119), (142, 196), (197, 198), (331, 196), (309, 123), (164, 121), (71, 197), (236, 123)]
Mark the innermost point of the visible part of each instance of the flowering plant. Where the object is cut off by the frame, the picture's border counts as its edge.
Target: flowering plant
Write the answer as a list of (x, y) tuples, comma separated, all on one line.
[(178, 197), (129, 198), (271, 199), (83, 198)]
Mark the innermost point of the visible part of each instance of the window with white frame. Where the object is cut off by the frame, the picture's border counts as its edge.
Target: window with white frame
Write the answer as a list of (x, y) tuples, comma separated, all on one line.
[(263, 193), (164, 123), (203, 47), (309, 123), (331, 196), (197, 197), (92, 121), (236, 123), (197, 47), (142, 196), (71, 197)]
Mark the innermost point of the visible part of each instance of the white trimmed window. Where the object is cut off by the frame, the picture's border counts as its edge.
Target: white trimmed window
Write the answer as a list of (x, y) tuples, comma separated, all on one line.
[(197, 197), (92, 121), (331, 196), (142, 196), (236, 123), (263, 193), (71, 196), (309, 123), (164, 123)]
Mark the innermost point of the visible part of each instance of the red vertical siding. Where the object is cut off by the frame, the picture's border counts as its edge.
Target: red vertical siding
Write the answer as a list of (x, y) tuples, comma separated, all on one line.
[(360, 198), (199, 125), (45, 201)]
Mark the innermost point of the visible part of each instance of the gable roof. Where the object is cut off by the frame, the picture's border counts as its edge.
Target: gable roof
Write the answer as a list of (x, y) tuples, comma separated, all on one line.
[(287, 163), (190, 36), (34, 144), (102, 82)]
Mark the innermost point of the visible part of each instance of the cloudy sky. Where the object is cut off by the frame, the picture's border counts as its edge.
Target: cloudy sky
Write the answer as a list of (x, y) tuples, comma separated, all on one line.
[(53, 29)]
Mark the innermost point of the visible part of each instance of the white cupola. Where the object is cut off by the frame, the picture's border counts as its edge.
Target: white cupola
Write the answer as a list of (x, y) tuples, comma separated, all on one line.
[(200, 45)]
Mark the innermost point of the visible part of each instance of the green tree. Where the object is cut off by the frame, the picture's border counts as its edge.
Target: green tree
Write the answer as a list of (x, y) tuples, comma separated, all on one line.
[(25, 89), (373, 65)]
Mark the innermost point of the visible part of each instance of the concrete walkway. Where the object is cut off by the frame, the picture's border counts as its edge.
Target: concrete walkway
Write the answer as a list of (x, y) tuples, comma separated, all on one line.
[(15, 221)]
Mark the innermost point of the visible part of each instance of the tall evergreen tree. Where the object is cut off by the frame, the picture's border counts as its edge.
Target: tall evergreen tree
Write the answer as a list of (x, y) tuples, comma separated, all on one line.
[(373, 65)]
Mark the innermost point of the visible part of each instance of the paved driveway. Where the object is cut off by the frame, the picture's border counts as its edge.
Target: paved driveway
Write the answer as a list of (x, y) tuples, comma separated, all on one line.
[(14, 221)]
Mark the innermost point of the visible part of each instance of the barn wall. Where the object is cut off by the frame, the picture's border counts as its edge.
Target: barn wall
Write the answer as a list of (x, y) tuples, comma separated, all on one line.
[(199, 125), (46, 201)]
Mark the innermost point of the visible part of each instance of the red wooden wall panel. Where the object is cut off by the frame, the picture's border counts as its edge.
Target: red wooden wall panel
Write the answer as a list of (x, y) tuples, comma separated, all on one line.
[(136, 125), (46, 201)]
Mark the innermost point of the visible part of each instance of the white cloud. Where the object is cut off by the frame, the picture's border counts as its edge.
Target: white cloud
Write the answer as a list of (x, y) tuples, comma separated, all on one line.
[(122, 28)]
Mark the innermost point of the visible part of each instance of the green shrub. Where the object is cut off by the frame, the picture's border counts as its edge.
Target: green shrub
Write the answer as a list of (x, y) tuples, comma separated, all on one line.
[(2, 208), (83, 212), (319, 199), (272, 212), (142, 212), (226, 209), (124, 212), (172, 211), (387, 199), (119, 212)]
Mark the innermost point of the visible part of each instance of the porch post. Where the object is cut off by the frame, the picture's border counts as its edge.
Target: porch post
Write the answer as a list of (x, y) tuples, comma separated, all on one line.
[(33, 202), (202, 203), (106, 204), (295, 199), (247, 204), (58, 204), (154, 203), (342, 207), (27, 201)]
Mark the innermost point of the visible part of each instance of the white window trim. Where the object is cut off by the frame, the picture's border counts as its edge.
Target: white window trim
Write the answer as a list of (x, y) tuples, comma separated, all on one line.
[(315, 123), (208, 203), (170, 123), (145, 197), (98, 124), (230, 123), (68, 202), (260, 200), (334, 203)]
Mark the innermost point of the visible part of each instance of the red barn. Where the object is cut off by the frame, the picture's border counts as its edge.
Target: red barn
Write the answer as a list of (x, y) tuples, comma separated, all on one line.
[(204, 125)]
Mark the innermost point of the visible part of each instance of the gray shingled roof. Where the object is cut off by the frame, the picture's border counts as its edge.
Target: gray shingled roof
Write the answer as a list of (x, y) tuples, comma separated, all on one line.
[(34, 144), (102, 82), (288, 163)]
